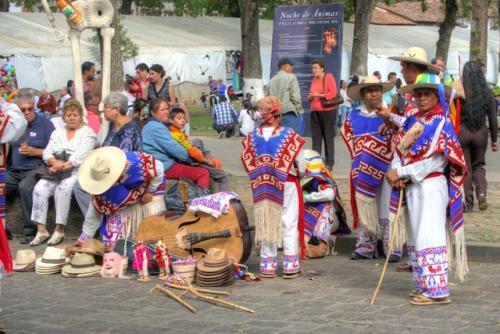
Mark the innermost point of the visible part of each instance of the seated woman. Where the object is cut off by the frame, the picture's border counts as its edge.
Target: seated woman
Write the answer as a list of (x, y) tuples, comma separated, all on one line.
[(324, 212), (158, 142), (125, 188), (65, 152)]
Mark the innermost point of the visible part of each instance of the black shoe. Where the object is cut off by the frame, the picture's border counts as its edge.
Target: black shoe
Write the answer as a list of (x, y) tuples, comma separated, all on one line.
[(8, 233), (26, 239), (394, 258), (357, 256)]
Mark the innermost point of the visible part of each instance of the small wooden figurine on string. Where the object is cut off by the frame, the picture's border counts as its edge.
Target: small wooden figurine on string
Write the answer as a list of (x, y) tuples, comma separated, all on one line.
[(163, 259), (142, 260)]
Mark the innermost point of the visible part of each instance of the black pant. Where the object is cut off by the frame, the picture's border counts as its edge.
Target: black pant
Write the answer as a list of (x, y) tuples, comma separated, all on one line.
[(22, 182), (474, 144), (228, 128), (323, 130)]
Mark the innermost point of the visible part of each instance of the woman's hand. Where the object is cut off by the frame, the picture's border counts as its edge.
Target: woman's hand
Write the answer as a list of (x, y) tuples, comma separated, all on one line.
[(494, 147), (57, 165), (147, 197)]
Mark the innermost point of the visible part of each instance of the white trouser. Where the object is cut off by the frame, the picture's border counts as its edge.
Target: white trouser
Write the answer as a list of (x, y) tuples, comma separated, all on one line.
[(427, 202), (290, 220), (62, 192)]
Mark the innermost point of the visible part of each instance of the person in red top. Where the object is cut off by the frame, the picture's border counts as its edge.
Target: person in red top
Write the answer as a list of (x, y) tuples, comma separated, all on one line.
[(139, 86), (323, 120), (47, 103)]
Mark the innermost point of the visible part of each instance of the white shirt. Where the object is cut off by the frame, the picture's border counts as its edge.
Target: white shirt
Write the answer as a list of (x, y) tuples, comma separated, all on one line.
[(78, 147), (16, 126), (246, 121), (63, 99), (343, 93)]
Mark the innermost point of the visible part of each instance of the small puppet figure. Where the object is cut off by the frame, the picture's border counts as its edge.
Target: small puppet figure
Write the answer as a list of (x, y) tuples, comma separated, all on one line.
[(163, 259), (142, 260), (113, 266)]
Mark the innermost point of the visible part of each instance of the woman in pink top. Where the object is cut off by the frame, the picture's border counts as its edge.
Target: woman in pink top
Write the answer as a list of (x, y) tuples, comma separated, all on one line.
[(323, 120)]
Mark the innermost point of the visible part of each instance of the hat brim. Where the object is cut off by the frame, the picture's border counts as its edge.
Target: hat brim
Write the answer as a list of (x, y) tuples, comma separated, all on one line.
[(411, 88), (408, 59), (23, 266), (202, 266), (354, 92), (118, 162), (70, 270)]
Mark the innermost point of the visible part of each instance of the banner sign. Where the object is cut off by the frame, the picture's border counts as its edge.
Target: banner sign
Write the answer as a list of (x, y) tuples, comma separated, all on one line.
[(303, 34)]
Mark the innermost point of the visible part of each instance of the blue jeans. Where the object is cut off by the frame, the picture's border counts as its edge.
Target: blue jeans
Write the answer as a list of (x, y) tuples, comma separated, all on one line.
[(344, 113), (291, 120)]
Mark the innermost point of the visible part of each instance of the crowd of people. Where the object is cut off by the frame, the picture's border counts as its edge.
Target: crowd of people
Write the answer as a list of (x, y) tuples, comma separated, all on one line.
[(412, 148)]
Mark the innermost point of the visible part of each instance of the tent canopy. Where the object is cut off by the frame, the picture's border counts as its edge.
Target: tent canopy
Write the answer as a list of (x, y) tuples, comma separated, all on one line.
[(190, 48)]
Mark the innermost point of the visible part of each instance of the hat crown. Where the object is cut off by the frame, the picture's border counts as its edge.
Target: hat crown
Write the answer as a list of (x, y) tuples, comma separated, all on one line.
[(417, 53), (92, 246), (54, 253), (83, 259), (100, 169), (371, 79), (25, 256), (216, 255), (427, 78)]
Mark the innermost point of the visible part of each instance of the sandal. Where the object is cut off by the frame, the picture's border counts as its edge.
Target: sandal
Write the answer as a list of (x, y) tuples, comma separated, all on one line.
[(415, 293), (56, 238), (293, 275), (39, 239), (422, 300), (263, 275)]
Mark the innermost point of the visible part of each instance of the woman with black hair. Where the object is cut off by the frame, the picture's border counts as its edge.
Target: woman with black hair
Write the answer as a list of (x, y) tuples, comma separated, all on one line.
[(160, 86), (479, 105)]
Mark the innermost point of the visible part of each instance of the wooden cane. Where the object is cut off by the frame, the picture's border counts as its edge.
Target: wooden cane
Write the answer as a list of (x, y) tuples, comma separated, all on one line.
[(391, 246), (212, 292), (218, 301), (173, 296)]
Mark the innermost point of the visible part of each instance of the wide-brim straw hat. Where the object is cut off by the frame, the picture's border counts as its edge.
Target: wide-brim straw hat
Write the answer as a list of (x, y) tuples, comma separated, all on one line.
[(24, 259), (216, 260), (82, 264), (52, 257), (91, 246), (101, 169), (425, 80), (416, 55), (354, 92)]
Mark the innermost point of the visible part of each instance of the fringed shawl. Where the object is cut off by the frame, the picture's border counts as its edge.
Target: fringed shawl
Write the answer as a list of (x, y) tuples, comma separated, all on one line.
[(268, 165), (446, 143), (371, 154), (5, 254)]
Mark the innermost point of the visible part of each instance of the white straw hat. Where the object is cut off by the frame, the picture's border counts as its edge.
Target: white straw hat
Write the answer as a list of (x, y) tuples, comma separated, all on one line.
[(354, 91), (416, 55), (101, 169)]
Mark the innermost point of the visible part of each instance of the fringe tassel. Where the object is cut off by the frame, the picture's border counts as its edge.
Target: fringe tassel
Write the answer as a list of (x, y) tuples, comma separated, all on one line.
[(401, 225), (133, 214), (368, 212), (268, 222), (457, 252)]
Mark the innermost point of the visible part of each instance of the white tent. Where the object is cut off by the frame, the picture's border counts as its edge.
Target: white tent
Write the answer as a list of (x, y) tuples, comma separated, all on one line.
[(193, 48)]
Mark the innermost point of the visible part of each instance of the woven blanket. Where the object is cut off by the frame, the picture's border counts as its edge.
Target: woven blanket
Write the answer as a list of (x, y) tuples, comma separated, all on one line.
[(213, 204)]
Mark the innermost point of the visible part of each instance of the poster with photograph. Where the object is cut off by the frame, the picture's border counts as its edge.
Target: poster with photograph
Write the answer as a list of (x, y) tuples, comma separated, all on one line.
[(303, 34)]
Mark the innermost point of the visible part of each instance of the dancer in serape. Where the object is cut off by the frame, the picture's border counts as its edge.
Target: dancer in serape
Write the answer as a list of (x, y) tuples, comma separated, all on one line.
[(324, 212), (426, 146), (125, 188), (371, 155), (270, 157), (12, 127)]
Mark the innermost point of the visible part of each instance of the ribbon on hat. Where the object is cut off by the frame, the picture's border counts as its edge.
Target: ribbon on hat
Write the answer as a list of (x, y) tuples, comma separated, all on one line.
[(269, 116)]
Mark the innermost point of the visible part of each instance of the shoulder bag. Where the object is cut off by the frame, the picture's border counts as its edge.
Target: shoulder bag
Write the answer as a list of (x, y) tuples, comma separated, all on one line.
[(326, 103)]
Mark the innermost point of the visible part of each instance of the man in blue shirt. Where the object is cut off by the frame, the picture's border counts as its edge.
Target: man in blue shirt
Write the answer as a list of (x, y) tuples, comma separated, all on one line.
[(25, 158), (224, 118), (387, 97)]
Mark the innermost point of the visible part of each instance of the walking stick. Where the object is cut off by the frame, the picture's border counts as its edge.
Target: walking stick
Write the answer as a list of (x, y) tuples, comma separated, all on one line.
[(391, 246)]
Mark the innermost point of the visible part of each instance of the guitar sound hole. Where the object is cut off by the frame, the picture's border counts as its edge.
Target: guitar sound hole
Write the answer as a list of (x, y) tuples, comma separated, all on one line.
[(99, 12), (199, 250)]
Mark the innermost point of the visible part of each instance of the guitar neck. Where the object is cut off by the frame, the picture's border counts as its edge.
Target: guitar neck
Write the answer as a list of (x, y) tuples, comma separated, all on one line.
[(199, 237)]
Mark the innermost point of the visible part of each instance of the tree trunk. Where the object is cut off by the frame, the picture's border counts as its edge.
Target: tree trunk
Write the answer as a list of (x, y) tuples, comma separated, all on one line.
[(250, 48), (446, 29), (4, 5), (126, 8), (479, 31), (362, 17)]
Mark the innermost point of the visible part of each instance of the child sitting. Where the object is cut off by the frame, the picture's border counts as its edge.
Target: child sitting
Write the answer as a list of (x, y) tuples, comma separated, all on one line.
[(177, 120)]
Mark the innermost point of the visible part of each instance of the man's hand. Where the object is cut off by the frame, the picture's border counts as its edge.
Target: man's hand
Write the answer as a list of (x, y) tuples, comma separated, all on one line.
[(146, 198), (385, 113), (392, 176), (494, 147), (28, 150)]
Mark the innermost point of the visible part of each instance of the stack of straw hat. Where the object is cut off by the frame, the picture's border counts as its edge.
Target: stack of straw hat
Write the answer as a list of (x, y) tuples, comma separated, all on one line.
[(185, 269), (215, 269), (84, 262), (25, 260), (51, 262)]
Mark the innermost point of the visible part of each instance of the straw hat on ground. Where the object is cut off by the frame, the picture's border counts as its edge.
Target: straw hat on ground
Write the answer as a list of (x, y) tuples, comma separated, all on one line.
[(354, 92), (51, 262), (215, 269), (101, 169), (92, 247), (81, 265), (416, 55), (25, 260)]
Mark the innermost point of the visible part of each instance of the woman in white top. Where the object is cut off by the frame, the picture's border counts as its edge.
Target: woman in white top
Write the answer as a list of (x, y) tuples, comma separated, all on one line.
[(246, 118), (63, 155), (346, 106)]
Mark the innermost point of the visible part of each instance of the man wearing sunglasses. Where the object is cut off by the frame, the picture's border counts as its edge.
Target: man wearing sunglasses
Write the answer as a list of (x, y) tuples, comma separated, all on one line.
[(26, 157)]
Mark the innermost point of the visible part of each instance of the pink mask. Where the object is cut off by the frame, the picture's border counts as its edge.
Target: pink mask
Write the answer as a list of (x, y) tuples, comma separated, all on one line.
[(112, 265)]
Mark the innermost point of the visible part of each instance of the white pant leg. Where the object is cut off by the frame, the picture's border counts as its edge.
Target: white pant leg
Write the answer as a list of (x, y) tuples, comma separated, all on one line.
[(91, 223), (290, 218), (42, 192), (62, 198), (427, 202)]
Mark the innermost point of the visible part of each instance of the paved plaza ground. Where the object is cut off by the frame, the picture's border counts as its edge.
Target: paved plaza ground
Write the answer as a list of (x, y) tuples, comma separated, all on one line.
[(331, 297)]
